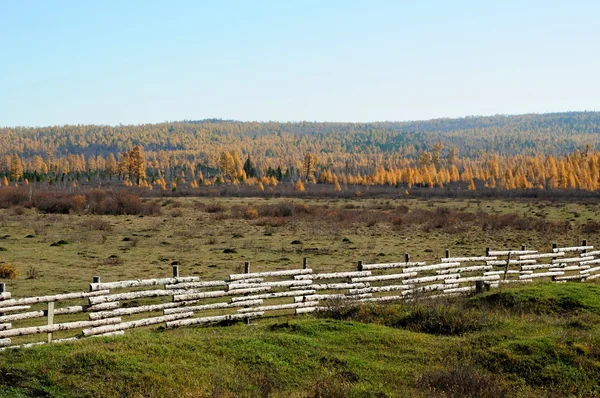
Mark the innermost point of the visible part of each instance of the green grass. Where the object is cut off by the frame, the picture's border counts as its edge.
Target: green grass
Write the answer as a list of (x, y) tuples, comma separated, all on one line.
[(546, 349)]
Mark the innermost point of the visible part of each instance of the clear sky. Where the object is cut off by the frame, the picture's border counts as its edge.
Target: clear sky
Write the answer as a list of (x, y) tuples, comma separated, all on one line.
[(130, 62)]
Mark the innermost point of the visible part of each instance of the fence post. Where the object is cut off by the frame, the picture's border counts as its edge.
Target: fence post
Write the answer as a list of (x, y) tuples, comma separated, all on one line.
[(507, 265), (360, 265), (523, 247), (50, 318), (406, 257), (2, 290), (175, 271), (487, 251), (246, 267), (96, 279), (304, 264), (584, 243), (478, 287), (447, 253)]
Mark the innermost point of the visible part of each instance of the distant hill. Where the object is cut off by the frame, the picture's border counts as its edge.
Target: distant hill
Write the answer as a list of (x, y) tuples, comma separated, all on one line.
[(531, 134)]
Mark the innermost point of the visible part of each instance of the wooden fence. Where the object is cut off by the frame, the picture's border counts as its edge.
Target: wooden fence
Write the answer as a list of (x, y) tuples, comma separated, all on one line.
[(110, 308)]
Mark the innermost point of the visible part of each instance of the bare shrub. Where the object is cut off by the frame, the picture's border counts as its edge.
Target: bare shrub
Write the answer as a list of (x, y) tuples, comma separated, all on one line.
[(13, 196), (119, 202), (97, 224), (32, 272), (177, 213), (18, 210), (214, 208), (590, 227), (50, 202)]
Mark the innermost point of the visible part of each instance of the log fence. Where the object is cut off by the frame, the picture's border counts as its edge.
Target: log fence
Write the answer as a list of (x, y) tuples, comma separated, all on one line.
[(111, 308)]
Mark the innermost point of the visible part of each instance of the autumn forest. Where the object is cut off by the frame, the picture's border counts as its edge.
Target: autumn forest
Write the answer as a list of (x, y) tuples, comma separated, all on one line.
[(493, 154)]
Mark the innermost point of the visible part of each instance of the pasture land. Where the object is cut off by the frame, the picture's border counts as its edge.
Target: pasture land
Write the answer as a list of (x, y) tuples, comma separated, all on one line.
[(211, 238)]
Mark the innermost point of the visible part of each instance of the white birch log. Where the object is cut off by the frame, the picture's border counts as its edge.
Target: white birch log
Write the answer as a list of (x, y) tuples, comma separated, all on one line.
[(334, 275), (467, 259), (235, 286), (220, 293), (367, 267), (309, 310), (541, 255), (141, 283), (271, 273), (464, 269), (319, 297), (592, 253), (473, 279), (14, 308), (380, 278), (512, 262), (510, 271), (587, 278), (5, 342), (516, 280), (102, 307), (24, 315), (572, 249), (570, 268), (5, 326), (279, 307), (110, 334), (535, 266), (249, 280), (58, 327), (215, 306), (590, 270), (465, 289), (338, 286), (572, 260), (430, 288), (569, 277), (541, 275), (135, 324), (133, 310), (211, 319), (377, 289), (499, 253), (65, 340), (431, 267), (28, 345), (131, 296), (596, 261), (47, 299), (273, 295), (195, 285), (5, 295), (425, 279)]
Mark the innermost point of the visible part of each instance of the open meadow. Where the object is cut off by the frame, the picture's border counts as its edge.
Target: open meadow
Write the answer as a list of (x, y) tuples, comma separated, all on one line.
[(213, 237), (531, 341)]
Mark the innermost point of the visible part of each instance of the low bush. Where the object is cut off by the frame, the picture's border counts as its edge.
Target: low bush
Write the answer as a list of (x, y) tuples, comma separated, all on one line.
[(463, 381), (433, 316), (8, 271)]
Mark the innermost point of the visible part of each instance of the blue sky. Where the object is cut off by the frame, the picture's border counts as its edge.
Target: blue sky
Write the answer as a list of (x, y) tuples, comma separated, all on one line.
[(131, 62)]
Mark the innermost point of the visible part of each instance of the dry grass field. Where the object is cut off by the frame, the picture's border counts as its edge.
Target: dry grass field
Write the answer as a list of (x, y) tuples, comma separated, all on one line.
[(212, 237)]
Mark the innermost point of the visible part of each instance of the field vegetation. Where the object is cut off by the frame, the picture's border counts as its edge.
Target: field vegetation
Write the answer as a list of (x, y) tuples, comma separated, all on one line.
[(534, 341)]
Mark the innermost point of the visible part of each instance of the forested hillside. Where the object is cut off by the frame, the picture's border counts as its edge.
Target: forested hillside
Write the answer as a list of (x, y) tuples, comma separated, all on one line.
[(509, 152)]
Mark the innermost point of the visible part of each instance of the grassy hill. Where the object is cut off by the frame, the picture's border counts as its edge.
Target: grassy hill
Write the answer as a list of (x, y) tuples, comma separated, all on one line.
[(532, 341)]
